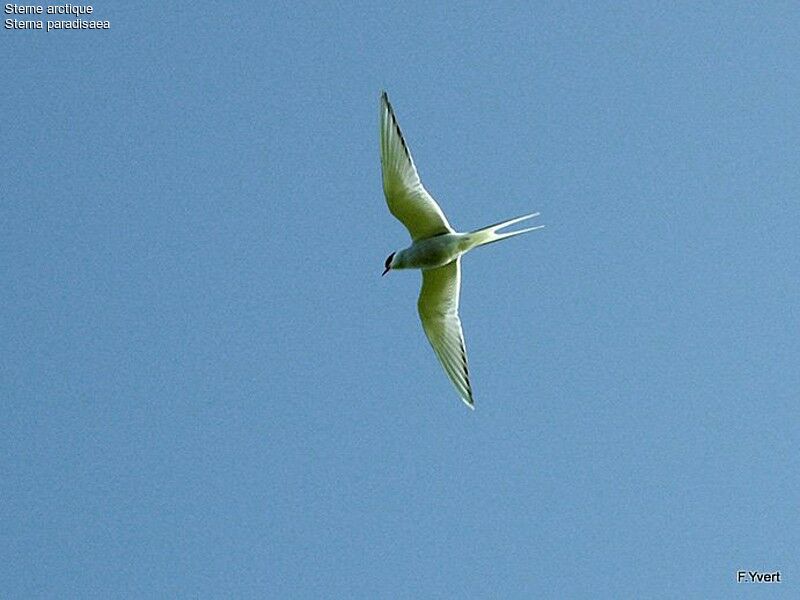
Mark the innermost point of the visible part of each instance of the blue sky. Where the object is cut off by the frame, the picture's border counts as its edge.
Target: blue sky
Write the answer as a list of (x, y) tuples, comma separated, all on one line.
[(209, 391)]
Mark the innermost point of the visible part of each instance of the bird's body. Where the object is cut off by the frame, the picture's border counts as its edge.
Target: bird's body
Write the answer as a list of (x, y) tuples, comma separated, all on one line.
[(432, 252), (436, 250)]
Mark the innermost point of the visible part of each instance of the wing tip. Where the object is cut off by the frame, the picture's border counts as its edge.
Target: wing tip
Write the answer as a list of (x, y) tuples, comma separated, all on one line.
[(384, 102)]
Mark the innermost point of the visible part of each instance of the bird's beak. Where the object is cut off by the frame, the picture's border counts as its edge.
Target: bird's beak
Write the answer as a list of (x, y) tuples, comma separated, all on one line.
[(385, 271)]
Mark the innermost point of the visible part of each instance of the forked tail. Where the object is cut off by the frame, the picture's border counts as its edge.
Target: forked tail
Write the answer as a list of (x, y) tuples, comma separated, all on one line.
[(487, 235)]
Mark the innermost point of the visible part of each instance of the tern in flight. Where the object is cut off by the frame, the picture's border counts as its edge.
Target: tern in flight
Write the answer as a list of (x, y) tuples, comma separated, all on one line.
[(436, 249)]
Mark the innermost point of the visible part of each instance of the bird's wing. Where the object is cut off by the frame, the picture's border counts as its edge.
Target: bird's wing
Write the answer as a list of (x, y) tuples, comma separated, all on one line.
[(438, 309), (408, 200)]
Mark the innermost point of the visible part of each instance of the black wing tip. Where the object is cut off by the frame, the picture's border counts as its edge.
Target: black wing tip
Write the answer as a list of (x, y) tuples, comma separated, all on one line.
[(393, 120), (385, 102), (468, 401)]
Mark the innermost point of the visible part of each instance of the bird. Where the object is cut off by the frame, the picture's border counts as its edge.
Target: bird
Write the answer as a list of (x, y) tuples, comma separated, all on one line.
[(436, 250)]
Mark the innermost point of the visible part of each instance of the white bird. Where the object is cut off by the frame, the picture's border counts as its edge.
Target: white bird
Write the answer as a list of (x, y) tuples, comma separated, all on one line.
[(436, 249)]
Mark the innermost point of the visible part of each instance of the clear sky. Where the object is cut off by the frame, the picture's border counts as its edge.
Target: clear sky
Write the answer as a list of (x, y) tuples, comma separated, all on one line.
[(209, 391)]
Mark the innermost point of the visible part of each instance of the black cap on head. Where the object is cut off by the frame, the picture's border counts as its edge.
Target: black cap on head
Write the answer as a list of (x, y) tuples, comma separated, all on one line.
[(388, 263)]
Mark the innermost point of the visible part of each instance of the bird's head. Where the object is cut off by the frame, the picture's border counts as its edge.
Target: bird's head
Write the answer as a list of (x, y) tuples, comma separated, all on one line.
[(388, 263)]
